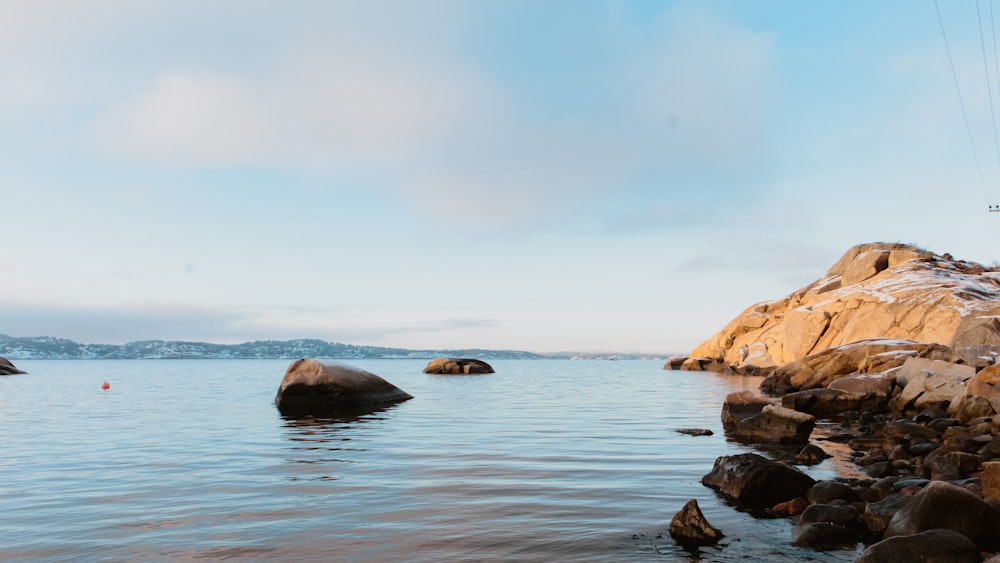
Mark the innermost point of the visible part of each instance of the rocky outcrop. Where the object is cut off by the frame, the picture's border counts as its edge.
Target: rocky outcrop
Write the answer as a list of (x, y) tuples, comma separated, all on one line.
[(457, 366), (857, 358), (756, 482), (875, 291), (690, 527), (311, 387), (7, 368)]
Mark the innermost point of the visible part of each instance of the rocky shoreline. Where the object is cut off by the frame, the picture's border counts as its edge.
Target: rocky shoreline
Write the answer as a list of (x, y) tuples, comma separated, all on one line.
[(919, 409)]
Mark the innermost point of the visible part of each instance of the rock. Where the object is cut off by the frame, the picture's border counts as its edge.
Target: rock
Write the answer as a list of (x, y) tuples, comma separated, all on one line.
[(675, 362), (775, 424), (311, 387), (824, 403), (927, 382), (823, 536), (841, 514), (694, 431), (825, 492), (937, 546), (991, 480), (986, 385), (792, 507), (689, 526), (700, 364), (754, 481), (811, 453), (457, 366), (822, 368), (943, 505), (7, 368), (877, 515), (971, 407), (873, 384), (943, 461), (877, 290)]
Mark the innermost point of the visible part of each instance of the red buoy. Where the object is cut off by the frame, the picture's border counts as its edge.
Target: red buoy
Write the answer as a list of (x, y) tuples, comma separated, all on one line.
[(106, 386)]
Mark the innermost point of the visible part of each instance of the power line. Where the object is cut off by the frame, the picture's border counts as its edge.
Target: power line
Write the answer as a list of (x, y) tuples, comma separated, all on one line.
[(989, 87), (961, 102)]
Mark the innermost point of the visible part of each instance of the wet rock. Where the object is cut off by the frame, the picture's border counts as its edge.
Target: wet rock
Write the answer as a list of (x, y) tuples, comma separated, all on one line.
[(944, 505), (922, 449), (878, 514), (754, 481), (937, 545), (8, 368), (457, 366), (752, 418), (311, 387), (689, 526), (841, 514)]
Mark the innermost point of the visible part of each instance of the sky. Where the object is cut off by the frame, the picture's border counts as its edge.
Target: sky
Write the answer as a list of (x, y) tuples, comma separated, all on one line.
[(550, 176)]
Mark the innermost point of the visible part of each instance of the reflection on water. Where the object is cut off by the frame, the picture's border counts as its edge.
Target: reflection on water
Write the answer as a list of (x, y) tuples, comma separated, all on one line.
[(542, 461)]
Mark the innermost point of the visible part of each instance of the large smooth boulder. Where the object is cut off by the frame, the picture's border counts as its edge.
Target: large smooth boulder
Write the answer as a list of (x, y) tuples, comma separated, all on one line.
[(457, 366), (7, 368), (943, 505), (311, 387), (875, 291), (937, 546), (690, 527), (755, 482)]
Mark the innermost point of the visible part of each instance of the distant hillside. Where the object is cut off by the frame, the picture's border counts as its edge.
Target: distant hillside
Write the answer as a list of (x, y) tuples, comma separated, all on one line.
[(49, 348)]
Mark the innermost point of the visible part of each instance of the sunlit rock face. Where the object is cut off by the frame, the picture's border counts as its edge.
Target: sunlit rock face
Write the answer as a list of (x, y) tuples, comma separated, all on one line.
[(875, 291), (457, 366), (311, 387)]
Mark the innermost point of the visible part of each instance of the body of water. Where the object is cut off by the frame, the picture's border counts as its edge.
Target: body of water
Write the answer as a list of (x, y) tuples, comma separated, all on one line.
[(545, 460)]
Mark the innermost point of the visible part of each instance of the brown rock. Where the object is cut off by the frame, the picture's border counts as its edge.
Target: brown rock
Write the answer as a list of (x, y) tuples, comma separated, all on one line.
[(311, 387), (754, 481), (943, 505), (939, 546), (689, 526), (457, 366)]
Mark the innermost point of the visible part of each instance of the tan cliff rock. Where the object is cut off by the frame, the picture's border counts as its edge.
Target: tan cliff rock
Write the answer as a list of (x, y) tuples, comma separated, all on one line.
[(875, 291)]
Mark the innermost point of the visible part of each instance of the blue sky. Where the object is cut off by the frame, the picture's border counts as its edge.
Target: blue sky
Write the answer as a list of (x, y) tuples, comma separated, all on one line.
[(548, 176)]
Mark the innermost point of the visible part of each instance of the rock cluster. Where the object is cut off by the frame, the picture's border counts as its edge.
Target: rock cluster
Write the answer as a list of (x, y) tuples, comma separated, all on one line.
[(895, 348)]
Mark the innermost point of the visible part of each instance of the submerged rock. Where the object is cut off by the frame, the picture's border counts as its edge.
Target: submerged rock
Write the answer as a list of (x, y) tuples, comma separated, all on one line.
[(754, 481), (457, 366), (7, 368), (690, 527), (311, 387)]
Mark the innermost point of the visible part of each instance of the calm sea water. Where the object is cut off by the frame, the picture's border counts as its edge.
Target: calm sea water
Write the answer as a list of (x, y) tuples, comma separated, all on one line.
[(542, 461)]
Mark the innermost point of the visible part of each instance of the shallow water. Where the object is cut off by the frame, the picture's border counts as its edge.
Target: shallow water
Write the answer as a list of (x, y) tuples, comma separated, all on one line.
[(546, 460)]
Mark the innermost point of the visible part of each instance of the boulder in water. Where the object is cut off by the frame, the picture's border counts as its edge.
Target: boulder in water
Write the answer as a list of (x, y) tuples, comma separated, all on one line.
[(311, 387), (754, 481), (457, 366), (690, 528), (7, 368)]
